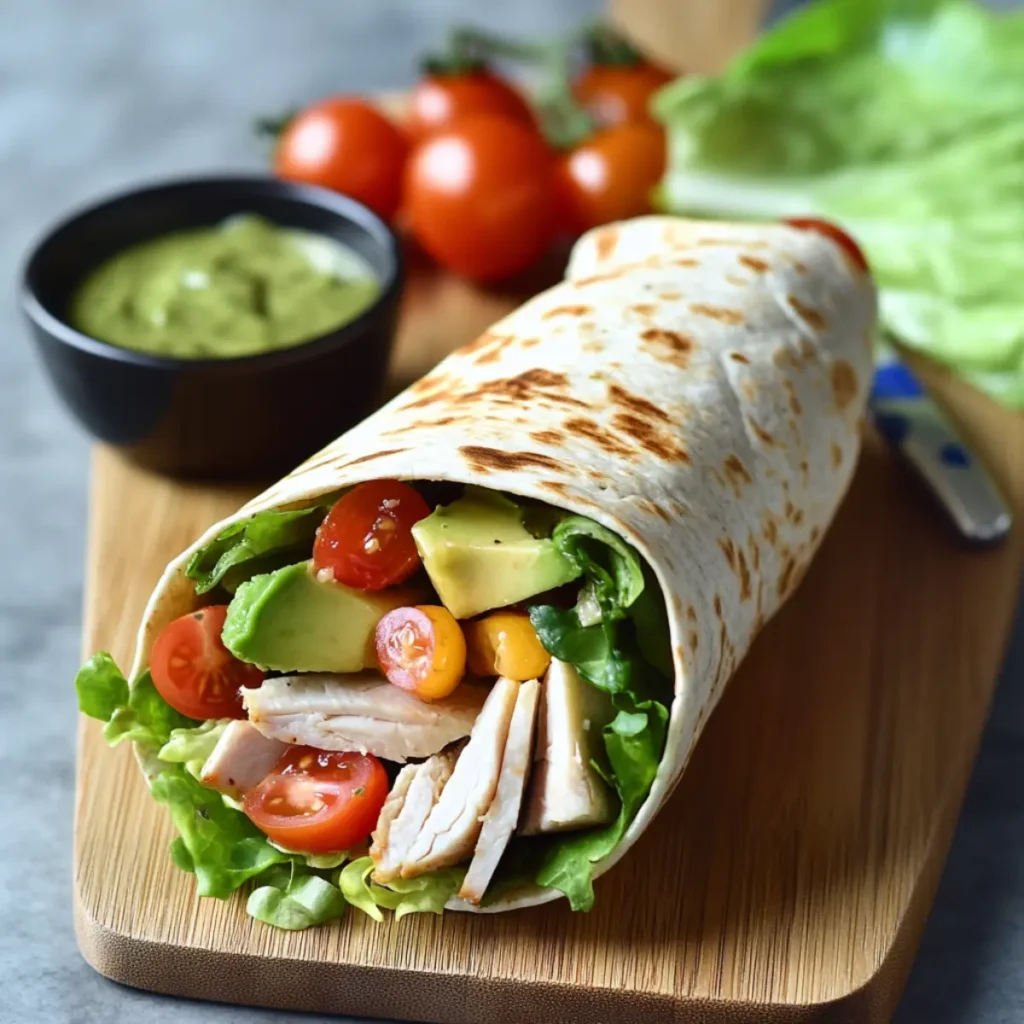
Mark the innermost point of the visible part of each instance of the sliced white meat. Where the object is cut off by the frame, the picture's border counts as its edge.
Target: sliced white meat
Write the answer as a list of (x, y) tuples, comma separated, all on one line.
[(453, 826), (502, 815), (401, 819), (565, 792), (242, 758), (363, 712)]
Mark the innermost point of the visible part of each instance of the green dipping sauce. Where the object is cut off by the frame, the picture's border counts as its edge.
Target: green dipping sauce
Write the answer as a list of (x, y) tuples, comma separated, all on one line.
[(243, 287)]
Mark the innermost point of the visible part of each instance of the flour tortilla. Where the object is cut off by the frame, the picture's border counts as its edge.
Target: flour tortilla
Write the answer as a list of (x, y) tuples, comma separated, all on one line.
[(697, 388)]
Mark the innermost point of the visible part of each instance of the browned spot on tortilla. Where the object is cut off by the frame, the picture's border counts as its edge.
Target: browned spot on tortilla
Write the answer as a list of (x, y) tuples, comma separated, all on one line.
[(441, 421), (669, 346), (755, 554), (429, 383), (744, 574), (371, 456), (694, 639), (483, 460), (691, 613), (788, 509), (808, 314), (786, 577), (654, 509), (739, 357), (679, 509), (755, 263), (798, 517), (485, 339), (596, 474), (815, 534), (794, 401), (837, 456), (736, 280), (670, 296), (761, 432), (844, 383), (593, 346), (578, 310), (593, 431), (749, 389), (493, 352), (649, 437), (770, 531), (562, 490), (677, 603), (753, 244), (428, 399), (637, 404), (718, 606), (686, 261), (806, 349), (726, 316), (799, 267), (644, 309), (729, 551), (782, 357), (608, 275), (669, 564), (531, 385), (547, 436), (737, 472), (529, 343), (605, 241), (805, 471)]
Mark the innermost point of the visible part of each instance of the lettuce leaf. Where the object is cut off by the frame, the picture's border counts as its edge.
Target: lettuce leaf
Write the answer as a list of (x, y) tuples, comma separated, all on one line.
[(192, 747), (260, 544), (138, 713), (900, 120), (293, 899), (427, 894), (626, 653)]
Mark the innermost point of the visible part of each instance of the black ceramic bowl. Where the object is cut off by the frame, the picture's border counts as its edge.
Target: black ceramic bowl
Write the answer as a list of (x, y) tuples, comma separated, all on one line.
[(242, 417)]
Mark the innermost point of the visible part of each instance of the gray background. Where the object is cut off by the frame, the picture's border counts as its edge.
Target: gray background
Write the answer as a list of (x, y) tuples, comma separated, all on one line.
[(98, 95)]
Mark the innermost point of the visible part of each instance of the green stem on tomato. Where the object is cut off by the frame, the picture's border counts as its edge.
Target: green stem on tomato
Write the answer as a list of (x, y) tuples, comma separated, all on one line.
[(273, 125)]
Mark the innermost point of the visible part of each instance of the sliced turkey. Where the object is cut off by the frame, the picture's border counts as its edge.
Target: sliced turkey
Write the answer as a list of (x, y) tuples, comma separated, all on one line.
[(413, 796), (502, 815), (242, 758), (565, 791), (453, 826), (361, 712)]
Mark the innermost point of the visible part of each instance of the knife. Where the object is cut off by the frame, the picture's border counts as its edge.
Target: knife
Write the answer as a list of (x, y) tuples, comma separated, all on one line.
[(917, 428)]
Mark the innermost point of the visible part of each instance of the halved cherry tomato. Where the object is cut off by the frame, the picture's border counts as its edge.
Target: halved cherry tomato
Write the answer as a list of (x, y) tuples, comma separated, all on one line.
[(366, 539), (194, 672), (480, 197), (348, 146), (439, 100), (422, 650), (319, 801), (610, 176), (837, 234), (617, 93)]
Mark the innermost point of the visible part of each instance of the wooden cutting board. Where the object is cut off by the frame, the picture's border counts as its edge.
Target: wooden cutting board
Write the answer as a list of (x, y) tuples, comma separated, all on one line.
[(788, 879)]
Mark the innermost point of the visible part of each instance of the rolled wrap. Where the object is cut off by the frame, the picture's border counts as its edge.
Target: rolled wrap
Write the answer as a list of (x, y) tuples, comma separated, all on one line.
[(695, 387)]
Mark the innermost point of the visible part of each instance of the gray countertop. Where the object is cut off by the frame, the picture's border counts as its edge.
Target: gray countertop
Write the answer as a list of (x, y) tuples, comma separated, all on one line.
[(99, 95)]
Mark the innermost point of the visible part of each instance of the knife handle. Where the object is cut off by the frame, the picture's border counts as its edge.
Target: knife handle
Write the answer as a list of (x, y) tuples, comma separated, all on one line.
[(922, 433)]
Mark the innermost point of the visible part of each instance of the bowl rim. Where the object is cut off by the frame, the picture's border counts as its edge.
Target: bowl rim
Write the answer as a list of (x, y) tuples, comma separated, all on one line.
[(340, 205)]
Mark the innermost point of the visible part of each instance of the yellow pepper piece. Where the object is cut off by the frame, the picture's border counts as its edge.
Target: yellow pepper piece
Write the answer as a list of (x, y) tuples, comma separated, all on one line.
[(504, 644)]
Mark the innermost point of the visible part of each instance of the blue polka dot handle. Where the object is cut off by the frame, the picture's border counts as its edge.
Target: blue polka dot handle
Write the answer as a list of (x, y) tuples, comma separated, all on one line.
[(918, 429)]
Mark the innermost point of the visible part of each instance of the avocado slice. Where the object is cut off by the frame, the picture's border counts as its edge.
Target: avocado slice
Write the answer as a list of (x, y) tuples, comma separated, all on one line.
[(479, 555), (290, 621)]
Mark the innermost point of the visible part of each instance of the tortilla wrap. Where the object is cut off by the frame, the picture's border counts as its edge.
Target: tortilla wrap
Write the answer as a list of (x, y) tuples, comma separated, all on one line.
[(695, 387)]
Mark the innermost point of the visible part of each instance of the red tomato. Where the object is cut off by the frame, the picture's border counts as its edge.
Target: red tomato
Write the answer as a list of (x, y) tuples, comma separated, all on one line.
[(617, 93), (611, 175), (194, 672), (441, 99), (348, 146), (421, 650), (837, 234), (366, 539), (480, 197), (319, 801)]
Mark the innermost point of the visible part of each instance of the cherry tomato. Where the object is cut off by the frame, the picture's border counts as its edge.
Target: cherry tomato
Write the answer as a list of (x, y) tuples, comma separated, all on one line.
[(194, 672), (610, 176), (366, 538), (837, 234), (439, 100), (480, 197), (346, 145), (617, 93), (505, 644), (422, 650), (319, 801)]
